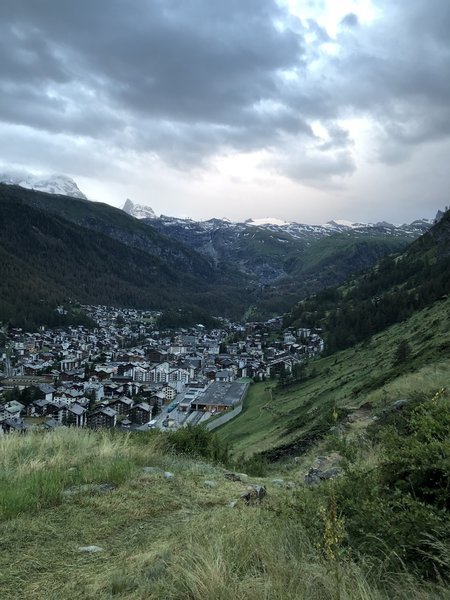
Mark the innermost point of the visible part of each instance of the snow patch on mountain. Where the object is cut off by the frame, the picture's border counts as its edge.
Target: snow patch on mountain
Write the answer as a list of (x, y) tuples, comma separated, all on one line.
[(51, 184), (266, 221), (138, 211)]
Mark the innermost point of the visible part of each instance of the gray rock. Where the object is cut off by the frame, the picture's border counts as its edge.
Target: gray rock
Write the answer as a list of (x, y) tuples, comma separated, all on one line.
[(254, 494), (151, 470), (168, 475), (90, 549), (233, 503), (235, 476), (330, 473), (312, 477), (210, 483), (315, 476), (89, 488), (397, 405)]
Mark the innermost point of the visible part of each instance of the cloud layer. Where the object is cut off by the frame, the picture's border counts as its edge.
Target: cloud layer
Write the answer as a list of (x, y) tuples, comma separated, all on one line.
[(90, 85)]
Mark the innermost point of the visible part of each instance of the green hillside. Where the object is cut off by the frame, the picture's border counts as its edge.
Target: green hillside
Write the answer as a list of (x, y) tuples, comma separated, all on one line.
[(374, 417), (387, 294), (410, 290), (295, 417), (324, 263)]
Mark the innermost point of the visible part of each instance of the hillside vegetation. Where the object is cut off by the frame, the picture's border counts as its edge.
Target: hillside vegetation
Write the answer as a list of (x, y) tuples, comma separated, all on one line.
[(170, 535), (325, 263), (376, 414), (390, 293), (296, 415), (56, 249)]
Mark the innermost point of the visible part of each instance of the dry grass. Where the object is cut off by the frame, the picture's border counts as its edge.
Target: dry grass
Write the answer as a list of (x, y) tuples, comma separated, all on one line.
[(162, 538)]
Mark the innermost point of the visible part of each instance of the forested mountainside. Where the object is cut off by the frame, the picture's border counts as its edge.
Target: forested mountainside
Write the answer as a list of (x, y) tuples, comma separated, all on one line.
[(387, 294), (57, 249)]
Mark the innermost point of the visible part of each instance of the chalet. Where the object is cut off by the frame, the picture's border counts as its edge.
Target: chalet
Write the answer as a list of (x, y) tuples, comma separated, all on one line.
[(224, 375), (69, 363), (110, 390), (38, 408), (76, 415), (13, 409), (141, 413), (51, 424), (157, 356), (73, 375), (103, 417), (122, 405), (56, 410), (48, 391)]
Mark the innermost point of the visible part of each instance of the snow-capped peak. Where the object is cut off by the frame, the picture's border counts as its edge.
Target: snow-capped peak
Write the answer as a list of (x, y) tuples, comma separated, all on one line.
[(342, 223), (139, 211), (52, 184), (266, 221)]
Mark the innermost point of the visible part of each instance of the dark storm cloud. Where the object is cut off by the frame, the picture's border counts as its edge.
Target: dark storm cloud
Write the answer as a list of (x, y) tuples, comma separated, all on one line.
[(186, 79), (184, 61)]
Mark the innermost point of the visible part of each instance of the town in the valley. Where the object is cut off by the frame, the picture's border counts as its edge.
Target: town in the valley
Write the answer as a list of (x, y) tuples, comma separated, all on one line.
[(128, 373)]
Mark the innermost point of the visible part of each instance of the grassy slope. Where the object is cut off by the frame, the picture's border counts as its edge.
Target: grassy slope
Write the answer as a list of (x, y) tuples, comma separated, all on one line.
[(347, 379), (161, 538)]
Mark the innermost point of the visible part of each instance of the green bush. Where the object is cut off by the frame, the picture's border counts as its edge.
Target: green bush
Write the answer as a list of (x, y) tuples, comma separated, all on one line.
[(198, 441), (399, 510)]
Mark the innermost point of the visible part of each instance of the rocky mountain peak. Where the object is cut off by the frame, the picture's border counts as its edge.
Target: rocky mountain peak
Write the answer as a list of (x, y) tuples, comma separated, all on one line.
[(139, 211), (51, 184)]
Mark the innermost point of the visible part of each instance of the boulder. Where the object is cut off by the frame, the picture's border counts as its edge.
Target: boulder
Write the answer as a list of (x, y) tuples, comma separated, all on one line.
[(316, 476), (254, 493), (395, 406)]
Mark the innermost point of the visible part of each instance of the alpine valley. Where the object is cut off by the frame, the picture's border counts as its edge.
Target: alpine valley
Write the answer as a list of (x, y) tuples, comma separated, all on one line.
[(59, 247), (178, 456)]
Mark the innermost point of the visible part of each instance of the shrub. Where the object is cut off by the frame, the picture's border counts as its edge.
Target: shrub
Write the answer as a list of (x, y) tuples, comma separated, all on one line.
[(399, 509), (198, 441)]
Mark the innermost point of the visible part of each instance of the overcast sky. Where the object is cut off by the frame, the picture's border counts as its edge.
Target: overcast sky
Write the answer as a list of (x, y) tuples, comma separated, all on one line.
[(304, 110)]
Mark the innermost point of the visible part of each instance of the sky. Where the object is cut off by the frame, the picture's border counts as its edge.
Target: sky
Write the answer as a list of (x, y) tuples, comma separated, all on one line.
[(303, 110)]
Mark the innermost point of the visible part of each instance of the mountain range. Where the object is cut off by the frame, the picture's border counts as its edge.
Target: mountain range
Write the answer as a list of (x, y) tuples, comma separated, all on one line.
[(73, 248), (299, 231)]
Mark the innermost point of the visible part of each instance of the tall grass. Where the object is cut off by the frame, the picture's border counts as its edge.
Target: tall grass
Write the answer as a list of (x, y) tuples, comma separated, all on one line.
[(36, 468), (164, 538)]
